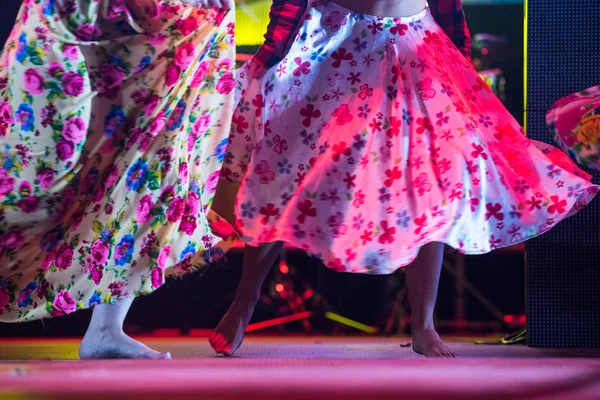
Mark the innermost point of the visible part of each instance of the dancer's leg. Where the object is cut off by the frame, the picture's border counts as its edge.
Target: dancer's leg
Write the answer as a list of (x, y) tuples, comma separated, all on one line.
[(105, 337), (422, 278), (229, 334)]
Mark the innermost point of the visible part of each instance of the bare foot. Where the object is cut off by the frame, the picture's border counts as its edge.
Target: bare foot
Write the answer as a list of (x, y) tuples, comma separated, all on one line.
[(98, 344), (429, 344), (229, 334)]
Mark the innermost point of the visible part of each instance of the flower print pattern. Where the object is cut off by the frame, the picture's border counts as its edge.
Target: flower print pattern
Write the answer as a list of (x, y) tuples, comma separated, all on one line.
[(385, 152), (103, 198)]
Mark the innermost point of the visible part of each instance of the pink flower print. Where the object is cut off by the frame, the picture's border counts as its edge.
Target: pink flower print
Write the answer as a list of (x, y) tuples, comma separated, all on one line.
[(187, 26), (424, 124), (64, 150), (7, 183), (334, 21), (478, 151), (367, 236), (70, 51), (309, 112), (432, 38), (188, 225), (279, 144), (398, 28), (87, 32), (557, 206), (64, 256), (306, 210), (157, 278), (200, 75), (336, 223), (421, 223), (34, 82), (172, 75), (144, 209), (74, 130), (163, 256), (226, 83), (12, 239), (63, 304), (176, 209), (342, 114), (303, 67), (474, 202), (422, 184), (388, 232), (116, 8), (444, 166), (240, 124), (45, 178), (494, 210), (265, 174), (267, 212), (339, 150), (394, 127), (375, 26), (72, 83), (99, 252), (340, 56), (392, 176), (6, 118), (425, 89), (184, 55)]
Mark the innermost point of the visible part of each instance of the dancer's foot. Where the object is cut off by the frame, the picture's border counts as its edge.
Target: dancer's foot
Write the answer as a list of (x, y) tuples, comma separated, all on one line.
[(99, 344), (229, 334), (428, 343)]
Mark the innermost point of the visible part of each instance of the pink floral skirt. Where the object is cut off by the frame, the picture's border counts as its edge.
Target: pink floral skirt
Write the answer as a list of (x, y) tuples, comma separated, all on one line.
[(112, 137), (375, 136)]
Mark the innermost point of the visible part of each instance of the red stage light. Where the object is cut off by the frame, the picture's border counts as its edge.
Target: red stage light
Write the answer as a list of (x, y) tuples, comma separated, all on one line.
[(283, 267), (279, 287)]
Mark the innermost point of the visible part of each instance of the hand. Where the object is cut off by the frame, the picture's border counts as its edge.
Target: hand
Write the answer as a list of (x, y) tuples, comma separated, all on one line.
[(228, 4)]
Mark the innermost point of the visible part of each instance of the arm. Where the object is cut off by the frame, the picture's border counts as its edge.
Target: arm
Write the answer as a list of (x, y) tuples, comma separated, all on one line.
[(285, 17), (450, 16)]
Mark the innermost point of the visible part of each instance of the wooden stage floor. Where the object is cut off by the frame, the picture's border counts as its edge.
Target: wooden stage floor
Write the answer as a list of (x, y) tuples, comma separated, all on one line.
[(289, 368)]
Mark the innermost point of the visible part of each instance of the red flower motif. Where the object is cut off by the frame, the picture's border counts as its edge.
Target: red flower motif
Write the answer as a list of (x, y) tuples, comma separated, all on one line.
[(309, 113), (340, 56), (424, 124), (259, 103), (388, 233), (303, 67), (478, 151), (339, 150), (398, 29), (558, 206), (392, 175), (268, 212), (493, 210), (394, 129), (306, 210), (240, 124)]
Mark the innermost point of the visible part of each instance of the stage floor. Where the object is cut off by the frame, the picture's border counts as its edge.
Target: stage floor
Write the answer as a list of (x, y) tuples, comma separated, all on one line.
[(300, 368)]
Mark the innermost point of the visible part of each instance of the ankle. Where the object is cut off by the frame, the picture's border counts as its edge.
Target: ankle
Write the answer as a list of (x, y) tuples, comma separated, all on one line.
[(420, 325), (105, 329)]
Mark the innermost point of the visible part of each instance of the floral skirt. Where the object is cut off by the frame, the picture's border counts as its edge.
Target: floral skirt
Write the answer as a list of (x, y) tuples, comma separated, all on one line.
[(575, 123), (374, 137), (113, 126)]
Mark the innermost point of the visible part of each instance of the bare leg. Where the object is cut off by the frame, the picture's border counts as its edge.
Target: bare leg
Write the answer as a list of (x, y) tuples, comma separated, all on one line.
[(422, 278), (229, 334), (105, 337)]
